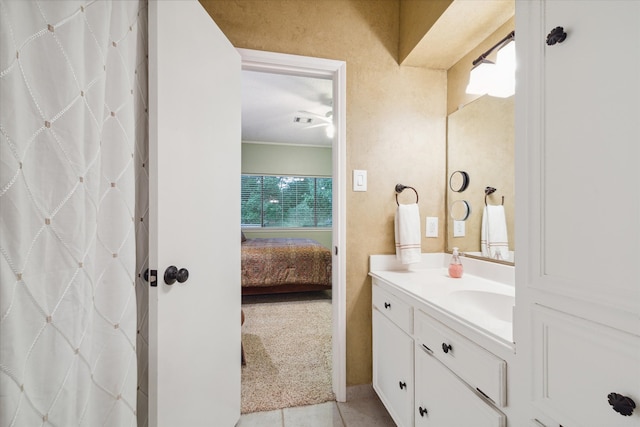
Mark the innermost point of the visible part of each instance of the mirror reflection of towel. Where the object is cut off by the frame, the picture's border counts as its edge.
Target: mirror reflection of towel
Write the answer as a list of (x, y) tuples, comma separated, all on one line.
[(494, 242), (407, 231)]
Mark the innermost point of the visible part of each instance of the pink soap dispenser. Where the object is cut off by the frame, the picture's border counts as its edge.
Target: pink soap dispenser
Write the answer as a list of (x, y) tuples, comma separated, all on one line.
[(455, 266)]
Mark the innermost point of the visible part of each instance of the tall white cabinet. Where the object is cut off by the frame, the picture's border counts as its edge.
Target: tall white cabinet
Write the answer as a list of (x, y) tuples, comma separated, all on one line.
[(577, 326)]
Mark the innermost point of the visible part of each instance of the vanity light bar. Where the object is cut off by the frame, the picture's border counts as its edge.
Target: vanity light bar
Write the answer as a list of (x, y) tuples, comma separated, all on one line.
[(504, 41)]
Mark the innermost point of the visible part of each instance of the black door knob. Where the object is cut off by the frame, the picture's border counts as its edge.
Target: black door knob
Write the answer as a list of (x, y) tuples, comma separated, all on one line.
[(446, 347), (557, 35), (171, 274), (621, 404)]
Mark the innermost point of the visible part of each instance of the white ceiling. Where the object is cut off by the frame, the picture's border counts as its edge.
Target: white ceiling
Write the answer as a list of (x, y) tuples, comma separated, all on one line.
[(271, 102)]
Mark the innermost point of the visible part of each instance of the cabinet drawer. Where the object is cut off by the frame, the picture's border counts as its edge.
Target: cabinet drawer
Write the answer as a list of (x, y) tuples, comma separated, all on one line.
[(395, 309), (481, 369), (443, 400), (579, 363)]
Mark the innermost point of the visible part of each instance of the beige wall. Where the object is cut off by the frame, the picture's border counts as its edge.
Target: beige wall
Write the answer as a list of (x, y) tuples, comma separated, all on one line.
[(481, 142), (395, 125), (416, 18)]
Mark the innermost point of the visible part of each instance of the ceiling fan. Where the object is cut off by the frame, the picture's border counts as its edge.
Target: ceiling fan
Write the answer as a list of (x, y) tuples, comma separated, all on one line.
[(308, 118)]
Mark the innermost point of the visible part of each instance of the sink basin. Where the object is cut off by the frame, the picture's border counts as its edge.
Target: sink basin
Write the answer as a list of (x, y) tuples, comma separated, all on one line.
[(474, 303)]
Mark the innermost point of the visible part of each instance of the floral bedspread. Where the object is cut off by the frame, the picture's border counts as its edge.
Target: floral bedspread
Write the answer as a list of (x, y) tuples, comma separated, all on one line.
[(285, 261)]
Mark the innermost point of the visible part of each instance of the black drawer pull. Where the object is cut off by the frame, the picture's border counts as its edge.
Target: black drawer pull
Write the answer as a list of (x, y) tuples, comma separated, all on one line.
[(621, 404), (402, 385), (423, 411), (446, 347), (557, 35), (387, 305)]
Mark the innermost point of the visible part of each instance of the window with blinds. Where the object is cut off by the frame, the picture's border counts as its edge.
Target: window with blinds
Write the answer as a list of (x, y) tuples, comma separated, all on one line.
[(286, 201)]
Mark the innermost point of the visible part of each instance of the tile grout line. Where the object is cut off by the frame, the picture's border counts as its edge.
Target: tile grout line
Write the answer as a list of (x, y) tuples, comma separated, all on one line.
[(344, 424)]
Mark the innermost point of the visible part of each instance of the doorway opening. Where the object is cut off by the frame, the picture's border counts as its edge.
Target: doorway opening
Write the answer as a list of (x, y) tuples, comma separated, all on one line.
[(335, 72)]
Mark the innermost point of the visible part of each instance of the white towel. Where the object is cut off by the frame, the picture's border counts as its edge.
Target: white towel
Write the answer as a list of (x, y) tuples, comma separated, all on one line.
[(407, 228), (494, 242)]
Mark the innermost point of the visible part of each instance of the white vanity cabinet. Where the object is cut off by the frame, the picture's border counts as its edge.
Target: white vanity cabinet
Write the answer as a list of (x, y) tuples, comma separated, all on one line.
[(393, 355), (578, 212), (427, 374)]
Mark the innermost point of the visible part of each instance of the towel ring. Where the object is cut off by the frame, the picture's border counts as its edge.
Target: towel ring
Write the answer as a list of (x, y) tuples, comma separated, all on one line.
[(487, 192), (400, 188)]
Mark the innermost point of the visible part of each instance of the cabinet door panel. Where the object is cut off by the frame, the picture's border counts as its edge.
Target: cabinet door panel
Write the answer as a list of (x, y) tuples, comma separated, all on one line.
[(475, 365), (582, 151), (578, 365), (447, 400), (393, 367)]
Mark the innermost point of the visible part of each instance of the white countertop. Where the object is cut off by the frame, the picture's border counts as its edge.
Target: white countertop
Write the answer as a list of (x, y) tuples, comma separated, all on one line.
[(482, 298)]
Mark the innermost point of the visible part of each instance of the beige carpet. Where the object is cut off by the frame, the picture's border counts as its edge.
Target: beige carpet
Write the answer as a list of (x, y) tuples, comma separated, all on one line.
[(287, 344)]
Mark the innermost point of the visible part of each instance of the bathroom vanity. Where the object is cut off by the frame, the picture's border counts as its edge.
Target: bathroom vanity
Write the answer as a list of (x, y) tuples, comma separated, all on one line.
[(578, 213), (443, 348)]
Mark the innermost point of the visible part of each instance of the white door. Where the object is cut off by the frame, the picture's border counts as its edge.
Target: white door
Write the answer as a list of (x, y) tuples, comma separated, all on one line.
[(194, 138)]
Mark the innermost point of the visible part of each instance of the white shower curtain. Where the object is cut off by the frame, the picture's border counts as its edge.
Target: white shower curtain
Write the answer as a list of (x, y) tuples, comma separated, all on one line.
[(73, 131)]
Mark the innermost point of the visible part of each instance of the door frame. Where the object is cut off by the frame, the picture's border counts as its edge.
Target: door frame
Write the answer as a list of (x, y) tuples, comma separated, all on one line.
[(280, 63)]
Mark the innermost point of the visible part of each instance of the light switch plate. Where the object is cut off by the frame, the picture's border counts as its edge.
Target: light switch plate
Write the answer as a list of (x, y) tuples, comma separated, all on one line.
[(359, 180), (458, 229), (431, 226)]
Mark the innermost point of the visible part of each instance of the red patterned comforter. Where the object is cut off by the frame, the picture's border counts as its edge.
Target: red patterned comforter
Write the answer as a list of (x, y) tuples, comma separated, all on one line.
[(285, 261)]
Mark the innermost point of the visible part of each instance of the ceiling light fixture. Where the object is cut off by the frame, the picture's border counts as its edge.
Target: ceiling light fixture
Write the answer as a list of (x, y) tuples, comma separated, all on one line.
[(495, 78)]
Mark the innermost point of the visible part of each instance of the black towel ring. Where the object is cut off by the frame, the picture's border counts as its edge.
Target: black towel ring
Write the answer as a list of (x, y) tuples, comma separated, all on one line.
[(488, 191), (400, 188)]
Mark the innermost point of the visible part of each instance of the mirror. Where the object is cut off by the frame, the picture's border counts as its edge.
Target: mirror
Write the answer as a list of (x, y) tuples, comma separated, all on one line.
[(458, 181), (480, 142)]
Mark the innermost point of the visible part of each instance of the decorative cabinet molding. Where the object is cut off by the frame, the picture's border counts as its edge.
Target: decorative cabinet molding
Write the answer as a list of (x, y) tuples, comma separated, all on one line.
[(577, 151), (579, 364), (577, 141)]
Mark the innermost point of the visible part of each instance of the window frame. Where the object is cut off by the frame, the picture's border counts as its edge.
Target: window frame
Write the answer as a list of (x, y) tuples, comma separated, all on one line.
[(262, 227)]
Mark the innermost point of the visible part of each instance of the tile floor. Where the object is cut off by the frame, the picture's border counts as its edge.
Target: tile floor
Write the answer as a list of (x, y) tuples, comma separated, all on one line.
[(362, 409)]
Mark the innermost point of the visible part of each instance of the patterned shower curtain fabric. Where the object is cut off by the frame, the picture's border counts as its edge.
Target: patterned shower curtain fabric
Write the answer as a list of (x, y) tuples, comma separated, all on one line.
[(71, 116)]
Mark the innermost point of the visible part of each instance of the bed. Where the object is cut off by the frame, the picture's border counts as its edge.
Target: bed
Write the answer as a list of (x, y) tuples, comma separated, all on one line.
[(278, 265)]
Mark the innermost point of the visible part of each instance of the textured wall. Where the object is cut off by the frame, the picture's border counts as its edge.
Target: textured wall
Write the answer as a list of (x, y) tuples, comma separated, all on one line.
[(481, 141), (416, 18), (395, 125)]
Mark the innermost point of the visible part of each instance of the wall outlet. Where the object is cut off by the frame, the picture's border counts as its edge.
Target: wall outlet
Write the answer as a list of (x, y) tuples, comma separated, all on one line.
[(458, 229), (432, 226)]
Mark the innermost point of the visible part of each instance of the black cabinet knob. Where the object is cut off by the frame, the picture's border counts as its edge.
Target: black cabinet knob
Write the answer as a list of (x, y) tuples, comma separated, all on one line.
[(387, 305), (446, 347), (557, 35), (172, 274), (621, 404), (423, 411), (402, 385)]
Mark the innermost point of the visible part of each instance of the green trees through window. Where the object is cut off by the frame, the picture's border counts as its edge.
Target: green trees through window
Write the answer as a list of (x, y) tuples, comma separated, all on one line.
[(286, 201)]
